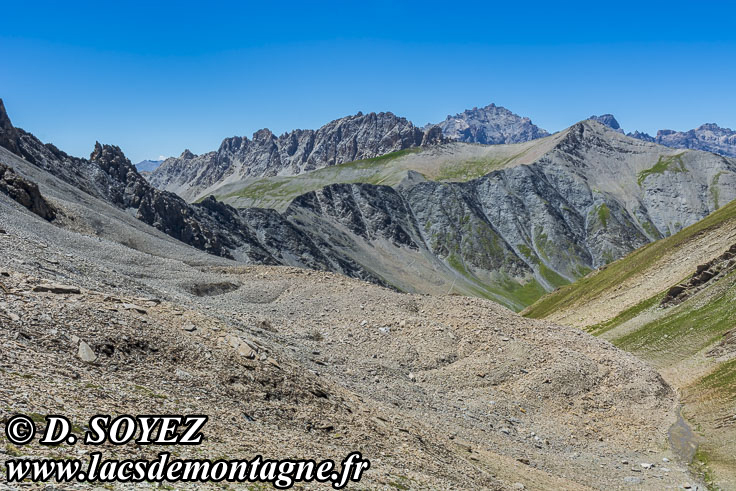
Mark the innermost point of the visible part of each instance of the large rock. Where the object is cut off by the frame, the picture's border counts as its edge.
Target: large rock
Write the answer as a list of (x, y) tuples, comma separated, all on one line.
[(85, 353), (56, 288), (25, 192)]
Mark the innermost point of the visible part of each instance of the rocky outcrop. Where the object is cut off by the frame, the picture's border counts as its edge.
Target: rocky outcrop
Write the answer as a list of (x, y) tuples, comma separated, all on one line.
[(344, 140), (26, 193), (489, 125), (8, 135), (608, 120), (704, 274)]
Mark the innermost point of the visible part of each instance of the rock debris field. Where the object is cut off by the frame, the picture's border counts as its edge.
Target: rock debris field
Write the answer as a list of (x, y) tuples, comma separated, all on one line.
[(438, 392)]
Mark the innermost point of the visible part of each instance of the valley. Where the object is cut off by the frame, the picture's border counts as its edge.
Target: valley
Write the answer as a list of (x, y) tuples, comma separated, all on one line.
[(367, 304)]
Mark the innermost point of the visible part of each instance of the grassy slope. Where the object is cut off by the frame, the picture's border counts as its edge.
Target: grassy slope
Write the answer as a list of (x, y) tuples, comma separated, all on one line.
[(277, 192), (675, 339), (470, 162), (597, 283)]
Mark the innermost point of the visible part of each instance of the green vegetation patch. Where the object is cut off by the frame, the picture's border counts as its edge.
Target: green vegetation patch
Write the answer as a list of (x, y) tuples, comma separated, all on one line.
[(626, 315), (286, 188), (472, 168), (552, 276), (650, 229), (687, 329), (672, 163), (714, 192), (604, 214), (522, 295), (721, 380)]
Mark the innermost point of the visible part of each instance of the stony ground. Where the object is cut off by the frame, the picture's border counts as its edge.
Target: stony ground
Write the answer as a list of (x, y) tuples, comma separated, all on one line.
[(438, 392)]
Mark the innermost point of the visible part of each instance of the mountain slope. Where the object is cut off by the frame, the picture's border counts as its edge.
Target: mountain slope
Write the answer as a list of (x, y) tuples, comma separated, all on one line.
[(295, 363), (543, 214), (343, 140), (546, 212), (672, 303), (210, 226), (490, 125), (449, 162)]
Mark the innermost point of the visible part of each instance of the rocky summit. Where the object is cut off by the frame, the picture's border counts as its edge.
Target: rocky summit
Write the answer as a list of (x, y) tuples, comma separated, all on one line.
[(608, 120), (489, 125), (344, 140)]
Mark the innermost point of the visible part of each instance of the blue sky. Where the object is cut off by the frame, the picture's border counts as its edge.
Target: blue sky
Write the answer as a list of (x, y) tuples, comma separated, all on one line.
[(157, 77)]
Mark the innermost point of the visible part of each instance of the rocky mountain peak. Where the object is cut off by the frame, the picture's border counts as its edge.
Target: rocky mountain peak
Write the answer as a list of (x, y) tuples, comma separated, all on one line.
[(8, 134), (109, 154), (4, 118), (712, 127), (113, 161), (263, 135), (489, 125), (187, 155), (608, 120)]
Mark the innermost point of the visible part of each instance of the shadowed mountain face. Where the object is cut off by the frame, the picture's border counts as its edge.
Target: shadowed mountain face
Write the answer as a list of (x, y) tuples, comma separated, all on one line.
[(490, 125), (608, 120), (564, 205), (210, 226), (517, 232)]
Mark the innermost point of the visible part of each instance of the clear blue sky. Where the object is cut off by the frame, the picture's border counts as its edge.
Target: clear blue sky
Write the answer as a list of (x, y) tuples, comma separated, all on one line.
[(157, 77)]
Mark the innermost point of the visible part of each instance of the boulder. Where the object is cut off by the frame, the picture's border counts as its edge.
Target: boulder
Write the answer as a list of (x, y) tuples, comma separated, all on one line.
[(85, 353), (56, 288)]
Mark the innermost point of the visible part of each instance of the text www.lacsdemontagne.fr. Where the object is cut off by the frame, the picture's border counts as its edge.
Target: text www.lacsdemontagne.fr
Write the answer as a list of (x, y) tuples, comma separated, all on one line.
[(282, 474)]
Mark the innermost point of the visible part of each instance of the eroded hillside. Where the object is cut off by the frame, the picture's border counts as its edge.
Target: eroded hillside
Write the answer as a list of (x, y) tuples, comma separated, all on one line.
[(672, 303)]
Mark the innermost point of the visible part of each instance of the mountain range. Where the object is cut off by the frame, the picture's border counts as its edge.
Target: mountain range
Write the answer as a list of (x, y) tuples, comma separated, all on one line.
[(189, 303), (506, 222), (707, 137), (343, 140)]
